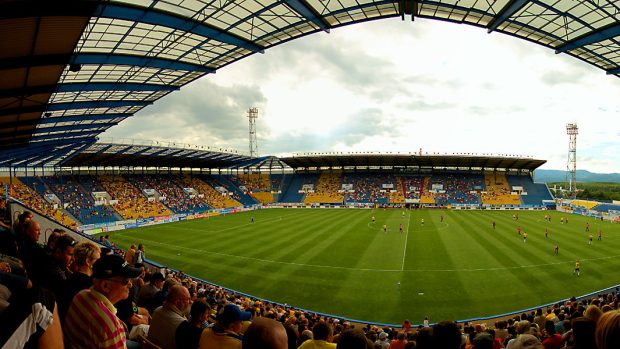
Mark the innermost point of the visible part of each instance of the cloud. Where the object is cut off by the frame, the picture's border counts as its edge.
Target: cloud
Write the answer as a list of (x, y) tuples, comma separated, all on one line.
[(422, 105), (564, 76), (364, 123), (338, 57), (399, 86), (354, 129), (206, 114)]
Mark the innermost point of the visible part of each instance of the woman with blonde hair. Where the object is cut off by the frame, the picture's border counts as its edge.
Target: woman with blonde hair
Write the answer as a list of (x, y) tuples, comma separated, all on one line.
[(608, 330), (593, 313), (85, 254)]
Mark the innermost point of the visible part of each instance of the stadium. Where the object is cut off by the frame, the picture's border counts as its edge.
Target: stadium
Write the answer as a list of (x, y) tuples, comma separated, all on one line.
[(387, 241)]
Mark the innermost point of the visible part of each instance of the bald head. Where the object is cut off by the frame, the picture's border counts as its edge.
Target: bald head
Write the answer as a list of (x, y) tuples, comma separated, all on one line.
[(177, 291), (265, 333), (179, 296), (32, 229)]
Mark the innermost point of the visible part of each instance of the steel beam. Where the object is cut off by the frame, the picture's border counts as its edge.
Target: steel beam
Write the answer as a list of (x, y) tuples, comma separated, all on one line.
[(601, 34), (301, 7), (171, 20), (508, 11), (74, 127), (141, 61), (116, 86)]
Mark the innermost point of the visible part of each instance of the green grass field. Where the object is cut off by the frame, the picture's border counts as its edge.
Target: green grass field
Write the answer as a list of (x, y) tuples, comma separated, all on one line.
[(338, 262)]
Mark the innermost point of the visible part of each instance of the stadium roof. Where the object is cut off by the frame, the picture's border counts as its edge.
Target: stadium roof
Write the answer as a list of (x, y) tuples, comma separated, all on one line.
[(412, 160), (71, 69), (130, 155)]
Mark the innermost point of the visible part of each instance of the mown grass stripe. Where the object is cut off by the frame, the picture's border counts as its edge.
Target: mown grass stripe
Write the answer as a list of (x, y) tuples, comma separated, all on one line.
[(336, 261)]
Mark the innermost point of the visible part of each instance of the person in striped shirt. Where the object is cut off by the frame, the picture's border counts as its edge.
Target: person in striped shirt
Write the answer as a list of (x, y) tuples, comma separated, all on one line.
[(91, 321)]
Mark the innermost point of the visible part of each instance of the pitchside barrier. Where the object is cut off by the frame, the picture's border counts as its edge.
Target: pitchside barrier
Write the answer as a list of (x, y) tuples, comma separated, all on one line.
[(48, 225), (99, 228)]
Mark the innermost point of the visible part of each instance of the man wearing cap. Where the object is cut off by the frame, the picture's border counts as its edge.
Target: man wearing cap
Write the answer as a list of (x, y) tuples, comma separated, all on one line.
[(91, 321), (169, 316), (226, 333)]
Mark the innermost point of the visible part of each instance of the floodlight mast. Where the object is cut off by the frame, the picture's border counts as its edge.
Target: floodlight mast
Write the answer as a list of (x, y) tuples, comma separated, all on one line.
[(571, 167), (252, 116)]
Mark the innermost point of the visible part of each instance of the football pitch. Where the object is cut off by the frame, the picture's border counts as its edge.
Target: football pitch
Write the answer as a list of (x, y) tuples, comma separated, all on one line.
[(453, 265)]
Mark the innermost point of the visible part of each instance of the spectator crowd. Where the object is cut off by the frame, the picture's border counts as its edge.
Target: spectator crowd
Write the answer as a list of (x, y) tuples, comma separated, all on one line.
[(70, 294)]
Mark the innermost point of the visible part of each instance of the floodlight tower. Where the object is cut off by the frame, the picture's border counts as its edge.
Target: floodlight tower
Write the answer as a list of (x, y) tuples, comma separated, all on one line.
[(571, 167), (252, 116)]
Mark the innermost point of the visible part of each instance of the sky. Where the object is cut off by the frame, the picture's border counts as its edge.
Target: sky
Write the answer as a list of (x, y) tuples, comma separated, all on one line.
[(398, 86)]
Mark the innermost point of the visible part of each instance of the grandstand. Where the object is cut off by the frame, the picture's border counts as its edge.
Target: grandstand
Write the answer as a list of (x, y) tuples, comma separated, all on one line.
[(75, 199), (34, 200), (426, 196), (372, 188), (293, 187), (585, 203), (89, 199), (132, 203), (254, 182), (327, 190), (397, 195), (498, 191), (213, 197), (607, 208), (413, 187), (238, 193), (531, 193)]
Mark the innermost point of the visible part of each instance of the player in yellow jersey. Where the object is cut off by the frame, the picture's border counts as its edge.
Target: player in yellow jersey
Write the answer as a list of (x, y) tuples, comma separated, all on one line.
[(577, 268)]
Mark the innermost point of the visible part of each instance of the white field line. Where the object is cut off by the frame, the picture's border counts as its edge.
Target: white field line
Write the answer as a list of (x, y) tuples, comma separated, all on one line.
[(402, 267)]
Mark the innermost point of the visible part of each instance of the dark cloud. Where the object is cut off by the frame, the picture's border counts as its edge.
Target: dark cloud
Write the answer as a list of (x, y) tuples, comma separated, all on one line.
[(205, 113), (348, 65)]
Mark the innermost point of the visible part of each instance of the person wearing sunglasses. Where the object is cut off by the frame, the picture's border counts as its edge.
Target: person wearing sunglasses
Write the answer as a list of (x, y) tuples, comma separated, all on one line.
[(56, 268), (91, 321)]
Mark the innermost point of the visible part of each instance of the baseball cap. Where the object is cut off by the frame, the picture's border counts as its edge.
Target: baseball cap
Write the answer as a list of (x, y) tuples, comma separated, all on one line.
[(231, 313), (109, 266)]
